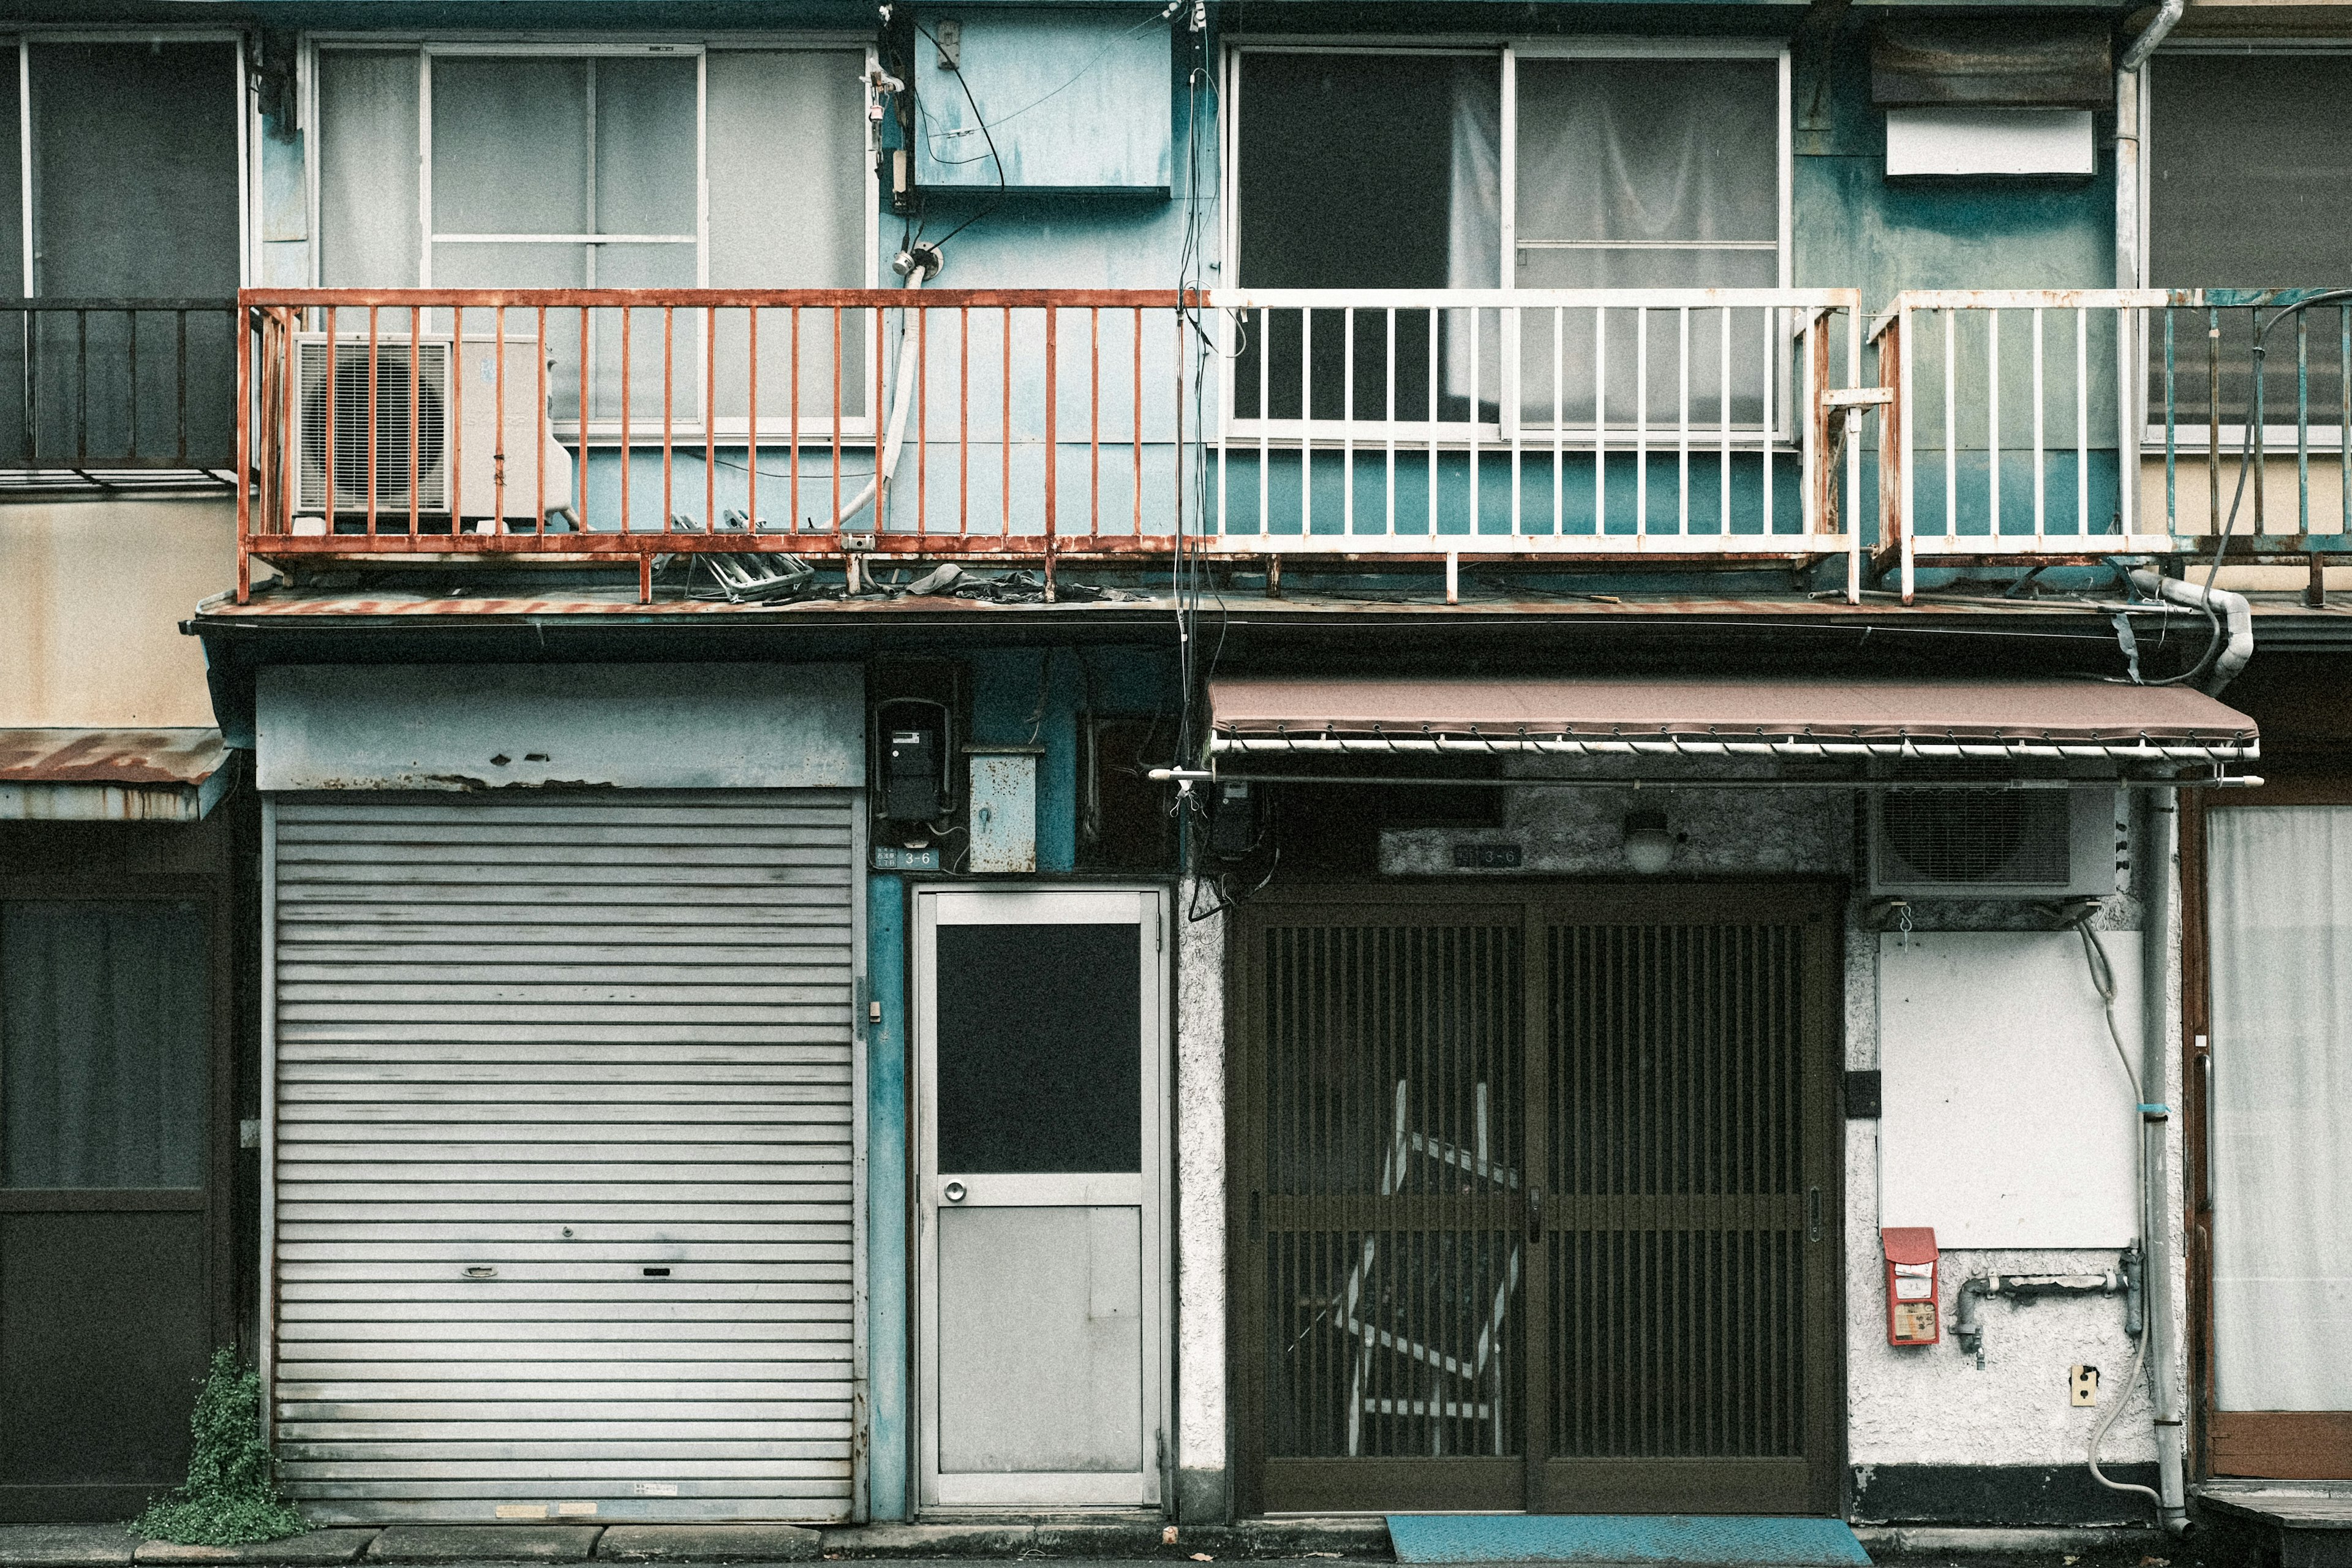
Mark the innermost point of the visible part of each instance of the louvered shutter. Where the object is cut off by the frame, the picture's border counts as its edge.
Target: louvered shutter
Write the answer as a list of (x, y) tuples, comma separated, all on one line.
[(563, 1157)]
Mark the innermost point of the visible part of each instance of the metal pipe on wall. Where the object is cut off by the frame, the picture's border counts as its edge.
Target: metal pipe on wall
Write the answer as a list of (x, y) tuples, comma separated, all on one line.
[(2160, 1259)]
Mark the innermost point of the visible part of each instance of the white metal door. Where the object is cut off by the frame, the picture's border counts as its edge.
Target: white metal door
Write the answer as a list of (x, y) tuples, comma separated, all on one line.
[(1040, 1195), (563, 1173)]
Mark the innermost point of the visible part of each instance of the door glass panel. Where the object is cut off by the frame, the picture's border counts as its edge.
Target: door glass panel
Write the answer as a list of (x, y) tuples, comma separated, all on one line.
[(103, 1034), (2281, 1150), (1040, 1052)]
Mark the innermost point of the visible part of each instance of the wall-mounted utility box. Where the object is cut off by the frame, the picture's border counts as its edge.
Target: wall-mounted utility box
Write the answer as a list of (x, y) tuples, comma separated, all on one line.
[(1074, 101), (1004, 807), (1989, 142)]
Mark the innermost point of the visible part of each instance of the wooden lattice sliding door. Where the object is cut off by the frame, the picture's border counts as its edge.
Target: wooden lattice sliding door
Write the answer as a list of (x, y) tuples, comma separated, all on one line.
[(1536, 1199)]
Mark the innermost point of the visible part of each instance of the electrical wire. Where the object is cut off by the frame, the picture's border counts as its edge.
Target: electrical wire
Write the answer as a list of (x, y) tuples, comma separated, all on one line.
[(2246, 448), (979, 120), (2103, 981)]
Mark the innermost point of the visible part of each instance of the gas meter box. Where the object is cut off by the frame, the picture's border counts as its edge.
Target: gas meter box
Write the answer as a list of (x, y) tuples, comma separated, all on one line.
[(1914, 1311)]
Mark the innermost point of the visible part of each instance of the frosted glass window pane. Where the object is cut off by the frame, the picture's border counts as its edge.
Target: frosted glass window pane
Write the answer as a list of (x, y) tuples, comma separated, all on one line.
[(104, 1034), (2281, 923), (787, 210), (645, 146), (367, 170), (645, 266), (509, 146), (1648, 150)]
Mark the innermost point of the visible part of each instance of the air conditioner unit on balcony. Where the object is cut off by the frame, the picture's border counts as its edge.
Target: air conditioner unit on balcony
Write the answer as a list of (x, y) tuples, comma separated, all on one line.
[(2037, 843), (424, 451)]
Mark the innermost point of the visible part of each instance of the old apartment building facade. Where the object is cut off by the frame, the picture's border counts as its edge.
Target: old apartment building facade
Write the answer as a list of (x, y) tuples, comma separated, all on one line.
[(768, 761)]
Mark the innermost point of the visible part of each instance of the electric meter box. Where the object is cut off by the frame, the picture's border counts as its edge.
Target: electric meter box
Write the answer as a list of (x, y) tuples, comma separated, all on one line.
[(1914, 1301), (1076, 101)]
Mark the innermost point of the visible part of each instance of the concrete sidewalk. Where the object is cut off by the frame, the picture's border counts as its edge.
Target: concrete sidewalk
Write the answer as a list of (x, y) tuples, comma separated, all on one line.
[(1312, 1542)]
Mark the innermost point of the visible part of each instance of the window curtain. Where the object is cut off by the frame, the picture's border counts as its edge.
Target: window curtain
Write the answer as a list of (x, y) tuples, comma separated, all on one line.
[(2281, 931), (104, 1028), (366, 136), (1635, 174), (1473, 229), (787, 166), (135, 167)]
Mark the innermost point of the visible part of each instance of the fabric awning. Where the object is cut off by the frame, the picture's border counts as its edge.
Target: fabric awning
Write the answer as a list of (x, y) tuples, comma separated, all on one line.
[(110, 775), (1771, 716)]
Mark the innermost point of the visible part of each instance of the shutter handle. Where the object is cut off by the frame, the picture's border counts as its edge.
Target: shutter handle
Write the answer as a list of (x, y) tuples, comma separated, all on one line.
[(1812, 1214), (1535, 1213), (1256, 1216)]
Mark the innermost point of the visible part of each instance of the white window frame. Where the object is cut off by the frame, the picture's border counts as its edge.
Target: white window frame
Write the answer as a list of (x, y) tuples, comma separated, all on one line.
[(1507, 53), (21, 45), (645, 428)]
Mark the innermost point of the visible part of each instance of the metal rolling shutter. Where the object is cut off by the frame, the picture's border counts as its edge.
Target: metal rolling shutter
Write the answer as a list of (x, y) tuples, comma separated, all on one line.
[(570, 1043)]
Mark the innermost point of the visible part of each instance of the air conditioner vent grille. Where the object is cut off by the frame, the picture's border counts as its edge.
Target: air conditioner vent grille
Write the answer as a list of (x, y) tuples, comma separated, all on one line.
[(1976, 837), (397, 456)]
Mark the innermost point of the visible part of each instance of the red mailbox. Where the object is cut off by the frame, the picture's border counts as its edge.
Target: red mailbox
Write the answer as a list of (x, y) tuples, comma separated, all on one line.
[(1913, 1314)]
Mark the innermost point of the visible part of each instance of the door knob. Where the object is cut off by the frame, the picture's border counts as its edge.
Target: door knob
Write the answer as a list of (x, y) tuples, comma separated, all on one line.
[(954, 1192)]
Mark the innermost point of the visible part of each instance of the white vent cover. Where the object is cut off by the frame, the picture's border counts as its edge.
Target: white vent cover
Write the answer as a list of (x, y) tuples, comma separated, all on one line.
[(2038, 843), (395, 451)]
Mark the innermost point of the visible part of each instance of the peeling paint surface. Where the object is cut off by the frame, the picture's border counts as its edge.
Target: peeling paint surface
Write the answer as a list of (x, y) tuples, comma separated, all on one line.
[(1200, 1187)]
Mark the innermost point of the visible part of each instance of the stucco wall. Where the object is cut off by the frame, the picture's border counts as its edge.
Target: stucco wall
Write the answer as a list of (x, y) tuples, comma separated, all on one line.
[(1202, 1490), (92, 596)]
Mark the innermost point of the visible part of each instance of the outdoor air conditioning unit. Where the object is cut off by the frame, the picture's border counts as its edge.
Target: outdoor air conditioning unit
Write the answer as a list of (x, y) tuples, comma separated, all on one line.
[(422, 447), (1994, 843)]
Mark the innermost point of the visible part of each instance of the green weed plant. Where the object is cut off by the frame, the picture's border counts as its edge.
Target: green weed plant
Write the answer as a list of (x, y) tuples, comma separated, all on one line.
[(231, 1495)]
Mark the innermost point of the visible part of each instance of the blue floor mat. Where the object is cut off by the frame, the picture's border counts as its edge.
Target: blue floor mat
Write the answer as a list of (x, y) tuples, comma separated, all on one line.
[(1671, 1538)]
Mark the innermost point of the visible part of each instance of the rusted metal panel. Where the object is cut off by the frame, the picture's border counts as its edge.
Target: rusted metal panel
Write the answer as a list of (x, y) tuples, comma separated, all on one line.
[(2004, 62), (537, 727), (110, 775)]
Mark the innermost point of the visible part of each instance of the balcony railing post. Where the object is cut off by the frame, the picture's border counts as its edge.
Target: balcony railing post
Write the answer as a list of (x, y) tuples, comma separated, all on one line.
[(241, 330), (1906, 401), (1052, 452)]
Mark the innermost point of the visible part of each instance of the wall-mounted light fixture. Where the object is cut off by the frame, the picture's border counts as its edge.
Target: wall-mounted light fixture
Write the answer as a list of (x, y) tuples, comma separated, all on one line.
[(1649, 843)]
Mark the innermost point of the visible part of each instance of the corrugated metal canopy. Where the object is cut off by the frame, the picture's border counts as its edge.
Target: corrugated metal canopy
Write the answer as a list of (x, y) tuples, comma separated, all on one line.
[(110, 775), (1762, 715)]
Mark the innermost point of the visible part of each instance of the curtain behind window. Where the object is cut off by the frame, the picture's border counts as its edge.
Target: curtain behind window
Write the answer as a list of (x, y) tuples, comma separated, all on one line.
[(2280, 924), (787, 211), (367, 142), (104, 1028), (134, 164), (1646, 173)]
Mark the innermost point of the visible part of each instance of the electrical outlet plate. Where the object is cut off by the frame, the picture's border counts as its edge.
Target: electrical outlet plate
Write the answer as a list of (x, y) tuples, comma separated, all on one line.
[(2083, 1382)]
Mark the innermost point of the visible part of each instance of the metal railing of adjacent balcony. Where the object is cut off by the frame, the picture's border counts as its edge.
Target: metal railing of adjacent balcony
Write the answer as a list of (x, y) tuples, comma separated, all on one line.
[(117, 393), (2042, 424), (889, 425), (622, 424)]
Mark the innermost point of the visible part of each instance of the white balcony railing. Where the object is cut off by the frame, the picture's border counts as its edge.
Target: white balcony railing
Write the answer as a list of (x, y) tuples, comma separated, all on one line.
[(1582, 422)]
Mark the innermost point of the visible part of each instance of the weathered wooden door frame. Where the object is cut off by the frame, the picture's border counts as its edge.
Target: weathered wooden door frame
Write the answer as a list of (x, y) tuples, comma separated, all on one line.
[(215, 895), (1534, 1481), (2279, 1445)]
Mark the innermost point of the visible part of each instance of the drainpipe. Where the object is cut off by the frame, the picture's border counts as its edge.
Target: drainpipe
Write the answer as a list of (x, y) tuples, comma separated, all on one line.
[(2158, 1259), (2237, 620), (2127, 140)]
